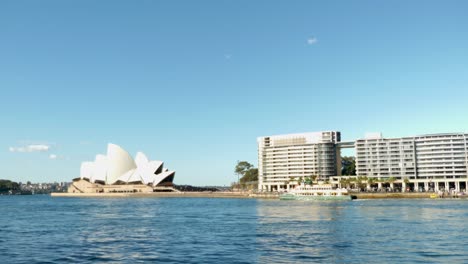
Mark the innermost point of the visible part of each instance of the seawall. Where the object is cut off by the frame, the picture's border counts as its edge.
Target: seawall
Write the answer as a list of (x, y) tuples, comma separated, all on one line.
[(232, 195), (158, 194), (391, 195)]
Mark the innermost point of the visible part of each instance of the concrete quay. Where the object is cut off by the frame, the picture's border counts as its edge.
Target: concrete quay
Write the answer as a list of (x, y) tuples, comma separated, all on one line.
[(399, 195), (405, 195), (245, 195), (157, 195)]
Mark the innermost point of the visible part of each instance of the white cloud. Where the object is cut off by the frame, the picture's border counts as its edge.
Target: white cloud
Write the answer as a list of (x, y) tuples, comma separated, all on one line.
[(52, 156), (30, 148), (312, 40)]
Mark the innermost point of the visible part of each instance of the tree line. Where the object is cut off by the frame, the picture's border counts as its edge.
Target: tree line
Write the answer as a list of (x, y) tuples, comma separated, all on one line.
[(7, 186), (247, 175)]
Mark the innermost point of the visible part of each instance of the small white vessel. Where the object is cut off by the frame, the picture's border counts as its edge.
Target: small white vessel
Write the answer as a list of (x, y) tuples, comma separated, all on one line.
[(316, 192)]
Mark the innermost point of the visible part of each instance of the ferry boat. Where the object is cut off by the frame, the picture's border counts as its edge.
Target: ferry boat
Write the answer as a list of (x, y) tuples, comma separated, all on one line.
[(316, 192)]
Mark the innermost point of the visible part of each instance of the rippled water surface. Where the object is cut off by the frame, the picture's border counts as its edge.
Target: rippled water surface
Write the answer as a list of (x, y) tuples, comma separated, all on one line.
[(36, 229)]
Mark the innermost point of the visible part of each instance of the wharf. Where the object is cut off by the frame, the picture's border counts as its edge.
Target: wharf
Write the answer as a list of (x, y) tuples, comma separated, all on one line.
[(157, 195), (247, 195), (406, 195), (364, 195)]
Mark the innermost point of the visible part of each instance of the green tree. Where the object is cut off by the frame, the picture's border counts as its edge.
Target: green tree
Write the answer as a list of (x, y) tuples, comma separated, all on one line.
[(352, 182), (344, 183), (371, 181), (301, 180), (250, 175), (348, 165), (241, 168), (361, 182), (313, 178), (7, 186), (247, 175)]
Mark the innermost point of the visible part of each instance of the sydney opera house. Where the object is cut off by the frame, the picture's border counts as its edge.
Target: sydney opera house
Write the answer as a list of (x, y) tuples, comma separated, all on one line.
[(119, 172)]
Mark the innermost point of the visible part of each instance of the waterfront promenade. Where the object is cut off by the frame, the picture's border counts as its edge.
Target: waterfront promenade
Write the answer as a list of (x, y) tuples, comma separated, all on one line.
[(172, 195), (244, 195)]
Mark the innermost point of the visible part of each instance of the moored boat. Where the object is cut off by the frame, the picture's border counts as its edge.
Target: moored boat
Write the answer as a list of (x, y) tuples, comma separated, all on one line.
[(316, 192)]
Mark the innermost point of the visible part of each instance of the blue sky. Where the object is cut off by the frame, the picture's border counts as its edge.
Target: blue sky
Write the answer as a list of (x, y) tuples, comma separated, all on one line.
[(194, 83)]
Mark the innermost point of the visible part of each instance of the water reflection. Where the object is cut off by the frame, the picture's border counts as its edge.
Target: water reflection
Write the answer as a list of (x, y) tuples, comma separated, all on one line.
[(299, 230), (359, 231)]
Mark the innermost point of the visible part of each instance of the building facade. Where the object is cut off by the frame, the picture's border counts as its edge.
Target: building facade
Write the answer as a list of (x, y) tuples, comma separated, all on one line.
[(284, 160), (421, 163), (385, 157)]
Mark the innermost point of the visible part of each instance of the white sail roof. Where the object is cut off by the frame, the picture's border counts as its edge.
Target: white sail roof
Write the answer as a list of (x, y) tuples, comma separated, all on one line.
[(160, 177), (119, 162), (126, 176), (141, 159), (86, 170), (100, 168), (119, 167)]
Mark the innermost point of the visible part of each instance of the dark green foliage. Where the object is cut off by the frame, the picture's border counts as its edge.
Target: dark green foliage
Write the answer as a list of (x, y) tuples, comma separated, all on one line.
[(7, 186), (242, 167), (250, 176), (190, 188), (348, 166), (247, 173)]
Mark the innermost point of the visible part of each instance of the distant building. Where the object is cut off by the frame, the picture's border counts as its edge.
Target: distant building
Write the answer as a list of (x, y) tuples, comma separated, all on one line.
[(436, 161), (284, 160), (119, 172), (417, 163)]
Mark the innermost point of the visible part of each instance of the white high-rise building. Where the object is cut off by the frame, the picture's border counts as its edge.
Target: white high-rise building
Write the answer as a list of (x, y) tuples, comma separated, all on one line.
[(437, 161), (284, 160)]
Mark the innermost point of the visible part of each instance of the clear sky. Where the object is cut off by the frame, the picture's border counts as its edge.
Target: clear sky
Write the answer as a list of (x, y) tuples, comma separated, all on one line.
[(194, 83)]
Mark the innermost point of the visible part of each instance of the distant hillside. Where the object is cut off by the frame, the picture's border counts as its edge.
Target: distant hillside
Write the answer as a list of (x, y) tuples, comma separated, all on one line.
[(189, 188), (8, 187)]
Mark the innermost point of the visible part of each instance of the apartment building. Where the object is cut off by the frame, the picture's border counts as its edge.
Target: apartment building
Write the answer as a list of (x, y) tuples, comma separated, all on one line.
[(435, 161), (284, 160), (385, 157)]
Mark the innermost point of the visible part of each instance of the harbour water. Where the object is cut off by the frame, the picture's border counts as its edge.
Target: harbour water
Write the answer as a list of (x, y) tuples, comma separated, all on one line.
[(42, 229)]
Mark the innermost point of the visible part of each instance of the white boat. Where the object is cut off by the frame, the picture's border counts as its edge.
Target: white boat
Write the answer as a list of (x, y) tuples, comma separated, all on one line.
[(316, 192)]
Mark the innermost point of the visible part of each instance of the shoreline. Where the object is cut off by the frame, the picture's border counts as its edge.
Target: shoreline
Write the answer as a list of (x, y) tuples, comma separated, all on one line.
[(240, 195), (157, 195), (361, 196)]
